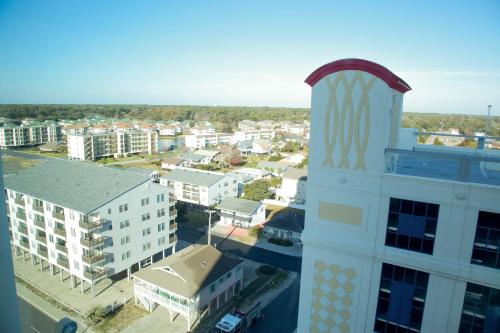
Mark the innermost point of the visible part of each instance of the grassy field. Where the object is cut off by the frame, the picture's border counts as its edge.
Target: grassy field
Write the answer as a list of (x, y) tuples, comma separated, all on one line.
[(14, 164), (121, 319)]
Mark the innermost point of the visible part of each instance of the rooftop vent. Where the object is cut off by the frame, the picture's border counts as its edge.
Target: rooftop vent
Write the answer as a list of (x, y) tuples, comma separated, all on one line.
[(203, 263)]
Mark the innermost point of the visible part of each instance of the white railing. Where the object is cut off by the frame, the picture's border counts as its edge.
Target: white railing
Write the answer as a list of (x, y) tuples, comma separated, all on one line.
[(145, 292)]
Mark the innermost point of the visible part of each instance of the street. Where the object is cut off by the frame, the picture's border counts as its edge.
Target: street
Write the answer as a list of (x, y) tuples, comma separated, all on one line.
[(34, 320)]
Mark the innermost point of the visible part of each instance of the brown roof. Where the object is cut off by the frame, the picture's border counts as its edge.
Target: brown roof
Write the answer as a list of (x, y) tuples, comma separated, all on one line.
[(197, 265)]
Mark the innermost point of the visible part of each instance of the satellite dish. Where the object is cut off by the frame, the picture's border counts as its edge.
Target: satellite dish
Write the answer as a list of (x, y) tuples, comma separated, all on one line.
[(66, 325)]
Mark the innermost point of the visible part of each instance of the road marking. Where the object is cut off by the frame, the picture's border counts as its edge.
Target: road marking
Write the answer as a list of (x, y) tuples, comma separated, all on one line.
[(34, 329)]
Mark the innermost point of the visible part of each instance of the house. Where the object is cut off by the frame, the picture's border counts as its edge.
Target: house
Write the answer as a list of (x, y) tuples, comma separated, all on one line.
[(293, 186), (191, 282), (276, 168), (88, 230), (294, 159), (167, 130), (191, 159), (245, 147), (241, 213), (285, 225), (202, 130), (204, 188), (254, 173), (261, 147), (210, 154), (170, 163)]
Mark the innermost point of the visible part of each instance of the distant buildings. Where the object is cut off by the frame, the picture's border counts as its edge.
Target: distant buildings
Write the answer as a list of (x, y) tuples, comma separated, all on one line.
[(199, 187), (196, 279), (399, 237), (111, 144), (200, 141), (87, 221), (293, 186), (241, 213), (31, 133)]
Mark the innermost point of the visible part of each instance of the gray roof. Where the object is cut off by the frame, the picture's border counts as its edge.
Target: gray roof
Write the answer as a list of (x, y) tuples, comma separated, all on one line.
[(193, 176), (296, 173), (198, 265), (239, 205), (192, 157), (76, 185), (173, 160), (274, 165), (289, 221)]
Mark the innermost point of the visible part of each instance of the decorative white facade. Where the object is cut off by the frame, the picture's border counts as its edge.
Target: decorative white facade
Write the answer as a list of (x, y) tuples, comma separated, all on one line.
[(395, 238)]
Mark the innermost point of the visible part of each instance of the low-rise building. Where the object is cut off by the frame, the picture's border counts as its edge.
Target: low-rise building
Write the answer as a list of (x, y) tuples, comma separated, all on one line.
[(170, 163), (276, 168), (207, 140), (293, 187), (191, 282), (87, 221), (241, 213), (204, 188), (286, 225), (261, 147), (254, 173)]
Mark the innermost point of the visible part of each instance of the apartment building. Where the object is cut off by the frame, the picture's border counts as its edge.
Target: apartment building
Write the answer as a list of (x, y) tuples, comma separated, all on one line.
[(207, 140), (196, 280), (88, 221), (251, 135), (204, 188), (29, 134), (91, 146), (398, 237)]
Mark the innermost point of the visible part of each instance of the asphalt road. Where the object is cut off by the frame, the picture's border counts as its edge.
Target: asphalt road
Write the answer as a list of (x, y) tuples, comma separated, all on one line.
[(281, 314), (34, 320)]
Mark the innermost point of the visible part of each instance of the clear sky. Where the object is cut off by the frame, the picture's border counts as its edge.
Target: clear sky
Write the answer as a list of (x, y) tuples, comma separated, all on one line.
[(244, 52)]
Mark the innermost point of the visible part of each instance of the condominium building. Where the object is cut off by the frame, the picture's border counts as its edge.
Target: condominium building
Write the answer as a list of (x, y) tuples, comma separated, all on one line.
[(29, 134), (398, 237), (91, 146), (199, 187), (88, 221), (207, 140)]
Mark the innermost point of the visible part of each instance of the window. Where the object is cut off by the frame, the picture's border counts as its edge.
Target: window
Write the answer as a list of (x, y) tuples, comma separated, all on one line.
[(160, 212), (146, 246), (145, 201), (124, 224), (486, 249), (481, 310), (146, 231), (75, 249), (161, 240), (146, 217), (109, 211), (123, 208), (125, 240), (125, 255), (51, 238), (161, 226), (401, 299), (411, 225), (76, 264), (73, 232), (160, 197), (71, 215)]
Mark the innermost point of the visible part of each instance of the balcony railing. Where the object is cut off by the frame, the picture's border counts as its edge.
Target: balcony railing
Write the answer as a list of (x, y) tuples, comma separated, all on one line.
[(91, 225), (63, 262), (95, 274), (21, 215), (60, 232), (94, 258), (58, 215), (171, 199), (40, 224), (92, 242), (24, 243), (43, 253), (172, 213), (41, 238), (62, 248), (19, 201), (172, 239), (38, 208), (172, 226), (22, 229)]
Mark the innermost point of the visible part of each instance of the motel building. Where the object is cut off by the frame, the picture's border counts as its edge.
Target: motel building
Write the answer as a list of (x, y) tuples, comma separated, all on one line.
[(398, 237), (193, 282)]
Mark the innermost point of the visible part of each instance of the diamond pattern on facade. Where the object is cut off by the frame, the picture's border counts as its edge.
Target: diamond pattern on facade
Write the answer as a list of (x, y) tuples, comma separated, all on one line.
[(332, 298)]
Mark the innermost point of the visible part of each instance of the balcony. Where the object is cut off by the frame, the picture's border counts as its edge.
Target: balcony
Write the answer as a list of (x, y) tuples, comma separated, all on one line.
[(37, 208), (92, 242), (172, 239), (62, 248), (94, 258), (19, 201), (40, 238), (172, 226), (95, 274), (58, 215), (43, 253), (60, 231), (61, 261), (23, 229), (89, 226), (21, 215), (172, 213), (172, 199), (24, 243), (40, 224)]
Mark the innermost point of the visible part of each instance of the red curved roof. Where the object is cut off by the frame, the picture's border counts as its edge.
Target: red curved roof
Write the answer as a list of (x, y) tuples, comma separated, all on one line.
[(392, 80)]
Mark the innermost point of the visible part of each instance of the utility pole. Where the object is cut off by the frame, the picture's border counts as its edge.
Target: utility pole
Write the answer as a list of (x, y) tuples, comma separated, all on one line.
[(489, 120), (210, 211)]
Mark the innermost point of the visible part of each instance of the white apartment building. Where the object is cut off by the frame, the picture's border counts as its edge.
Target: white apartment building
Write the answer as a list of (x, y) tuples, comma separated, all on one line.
[(207, 140), (247, 125), (111, 143), (397, 238), (29, 134), (241, 213), (251, 135), (192, 282), (88, 221), (204, 188), (293, 187)]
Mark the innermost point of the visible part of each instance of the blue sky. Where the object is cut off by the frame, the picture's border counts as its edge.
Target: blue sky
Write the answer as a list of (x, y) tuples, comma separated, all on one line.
[(244, 53)]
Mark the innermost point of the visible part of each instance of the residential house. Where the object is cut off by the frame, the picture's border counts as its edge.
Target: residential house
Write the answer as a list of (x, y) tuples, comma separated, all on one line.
[(261, 147), (286, 225), (293, 186), (241, 213), (170, 163), (276, 168)]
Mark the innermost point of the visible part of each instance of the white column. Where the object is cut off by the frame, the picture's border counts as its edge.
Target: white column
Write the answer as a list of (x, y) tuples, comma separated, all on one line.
[(129, 270), (82, 286), (92, 288)]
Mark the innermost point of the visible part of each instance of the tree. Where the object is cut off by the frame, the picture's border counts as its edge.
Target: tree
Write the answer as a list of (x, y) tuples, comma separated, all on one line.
[(437, 142), (258, 190), (276, 157)]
